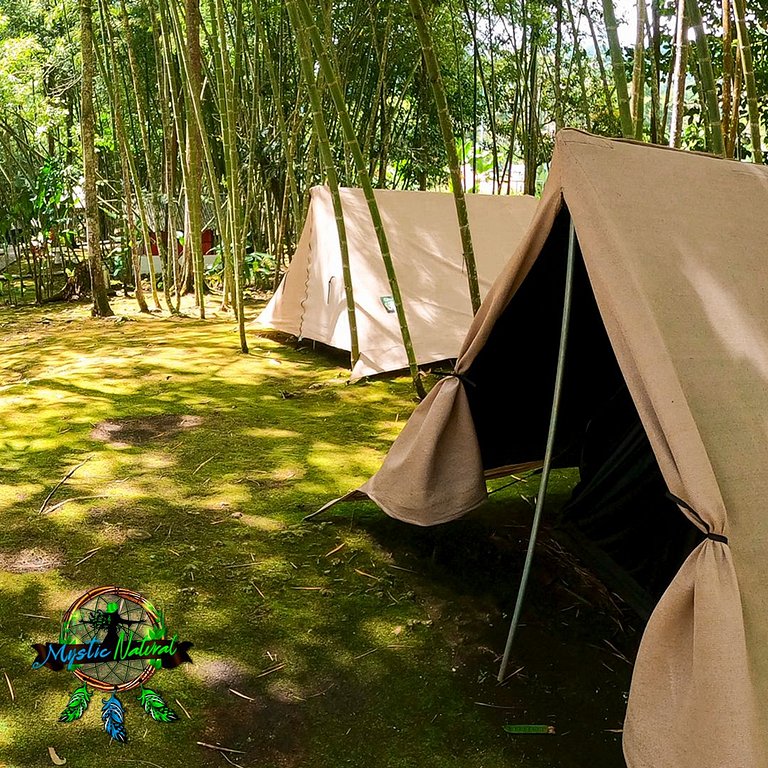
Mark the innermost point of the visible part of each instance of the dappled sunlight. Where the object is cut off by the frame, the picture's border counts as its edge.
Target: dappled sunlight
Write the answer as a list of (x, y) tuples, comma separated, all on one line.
[(355, 470), (190, 475), (18, 493), (733, 324), (7, 731), (223, 496), (262, 523), (270, 432)]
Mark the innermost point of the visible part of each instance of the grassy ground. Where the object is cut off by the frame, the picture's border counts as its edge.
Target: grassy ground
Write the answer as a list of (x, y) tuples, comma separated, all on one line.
[(199, 466)]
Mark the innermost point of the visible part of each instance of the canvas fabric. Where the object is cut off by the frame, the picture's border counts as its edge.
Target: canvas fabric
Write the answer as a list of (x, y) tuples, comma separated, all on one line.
[(675, 245), (425, 245)]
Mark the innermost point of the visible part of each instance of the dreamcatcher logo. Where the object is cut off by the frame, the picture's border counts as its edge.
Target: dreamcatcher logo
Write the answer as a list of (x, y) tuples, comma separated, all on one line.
[(113, 640)]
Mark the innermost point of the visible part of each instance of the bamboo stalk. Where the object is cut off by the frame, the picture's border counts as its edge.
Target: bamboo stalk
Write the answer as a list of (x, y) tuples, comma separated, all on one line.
[(707, 78), (228, 85), (446, 128), (143, 123), (109, 73), (100, 306), (737, 83), (324, 51), (599, 57), (678, 78), (326, 154), (619, 73), (638, 72), (745, 48), (193, 219), (727, 76)]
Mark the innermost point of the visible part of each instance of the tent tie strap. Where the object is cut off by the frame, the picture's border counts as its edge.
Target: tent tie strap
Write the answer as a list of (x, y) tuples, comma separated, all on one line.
[(708, 534), (456, 375)]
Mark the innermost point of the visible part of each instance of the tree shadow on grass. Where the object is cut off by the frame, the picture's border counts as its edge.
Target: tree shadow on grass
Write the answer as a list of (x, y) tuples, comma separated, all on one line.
[(381, 665)]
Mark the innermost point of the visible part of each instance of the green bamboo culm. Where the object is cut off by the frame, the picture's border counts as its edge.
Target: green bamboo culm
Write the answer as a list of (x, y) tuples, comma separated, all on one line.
[(288, 142), (326, 154), (638, 72), (619, 73), (324, 52), (143, 133), (227, 75), (446, 128), (745, 49), (707, 77)]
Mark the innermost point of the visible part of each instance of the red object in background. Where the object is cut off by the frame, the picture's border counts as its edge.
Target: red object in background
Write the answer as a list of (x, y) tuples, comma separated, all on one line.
[(207, 241)]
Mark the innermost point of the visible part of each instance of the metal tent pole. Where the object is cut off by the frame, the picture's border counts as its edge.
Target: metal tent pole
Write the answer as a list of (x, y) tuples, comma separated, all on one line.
[(549, 449)]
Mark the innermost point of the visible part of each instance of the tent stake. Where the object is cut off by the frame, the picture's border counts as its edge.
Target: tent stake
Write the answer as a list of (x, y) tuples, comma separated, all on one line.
[(548, 452)]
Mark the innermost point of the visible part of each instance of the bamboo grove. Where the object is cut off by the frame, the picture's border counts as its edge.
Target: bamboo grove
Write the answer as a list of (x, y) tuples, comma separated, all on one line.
[(133, 127)]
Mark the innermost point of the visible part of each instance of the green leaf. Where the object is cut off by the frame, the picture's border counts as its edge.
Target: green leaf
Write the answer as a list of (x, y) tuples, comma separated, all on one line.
[(529, 728)]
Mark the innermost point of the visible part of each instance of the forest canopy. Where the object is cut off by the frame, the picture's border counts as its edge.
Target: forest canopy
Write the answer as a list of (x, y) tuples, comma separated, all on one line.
[(153, 119)]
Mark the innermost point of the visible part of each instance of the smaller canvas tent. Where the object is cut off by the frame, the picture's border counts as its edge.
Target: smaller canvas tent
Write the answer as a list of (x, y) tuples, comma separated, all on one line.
[(424, 240), (665, 376)]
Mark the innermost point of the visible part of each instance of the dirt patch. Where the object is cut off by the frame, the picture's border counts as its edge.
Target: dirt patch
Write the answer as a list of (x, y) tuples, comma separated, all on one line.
[(29, 561), (144, 430), (271, 732), (217, 673)]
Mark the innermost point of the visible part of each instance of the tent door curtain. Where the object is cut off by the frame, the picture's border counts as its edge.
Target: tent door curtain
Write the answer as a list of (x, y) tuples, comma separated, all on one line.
[(619, 518)]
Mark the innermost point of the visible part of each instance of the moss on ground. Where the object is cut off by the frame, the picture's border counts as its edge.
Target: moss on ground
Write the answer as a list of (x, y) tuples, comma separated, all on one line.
[(199, 465)]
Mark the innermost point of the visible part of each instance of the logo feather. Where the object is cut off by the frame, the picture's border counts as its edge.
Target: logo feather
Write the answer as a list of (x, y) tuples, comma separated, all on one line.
[(114, 719), (77, 705), (155, 707)]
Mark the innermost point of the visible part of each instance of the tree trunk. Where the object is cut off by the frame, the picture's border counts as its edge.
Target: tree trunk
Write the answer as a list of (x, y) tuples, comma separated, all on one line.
[(101, 306), (745, 48), (678, 78), (638, 72), (707, 79), (193, 218), (619, 73)]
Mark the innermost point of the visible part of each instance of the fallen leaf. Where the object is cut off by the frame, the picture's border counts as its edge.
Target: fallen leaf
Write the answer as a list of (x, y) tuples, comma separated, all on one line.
[(55, 759)]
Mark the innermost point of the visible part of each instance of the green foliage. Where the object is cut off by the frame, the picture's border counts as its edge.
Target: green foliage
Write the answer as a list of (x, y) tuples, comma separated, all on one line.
[(258, 270)]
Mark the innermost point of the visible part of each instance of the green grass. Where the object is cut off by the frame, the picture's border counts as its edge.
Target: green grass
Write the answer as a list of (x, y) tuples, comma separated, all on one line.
[(382, 666)]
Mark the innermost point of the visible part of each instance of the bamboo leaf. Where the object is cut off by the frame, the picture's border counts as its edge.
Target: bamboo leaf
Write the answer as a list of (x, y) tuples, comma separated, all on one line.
[(528, 729)]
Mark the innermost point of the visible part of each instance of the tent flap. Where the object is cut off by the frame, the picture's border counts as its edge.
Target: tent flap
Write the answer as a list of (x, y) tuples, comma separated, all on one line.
[(674, 246)]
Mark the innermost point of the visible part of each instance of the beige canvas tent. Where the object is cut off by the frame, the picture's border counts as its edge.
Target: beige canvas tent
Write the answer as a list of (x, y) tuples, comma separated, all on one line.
[(423, 235), (669, 304)]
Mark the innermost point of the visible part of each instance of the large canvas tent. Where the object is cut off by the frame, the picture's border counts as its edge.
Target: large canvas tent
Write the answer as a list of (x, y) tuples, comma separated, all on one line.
[(667, 348), (426, 250)]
